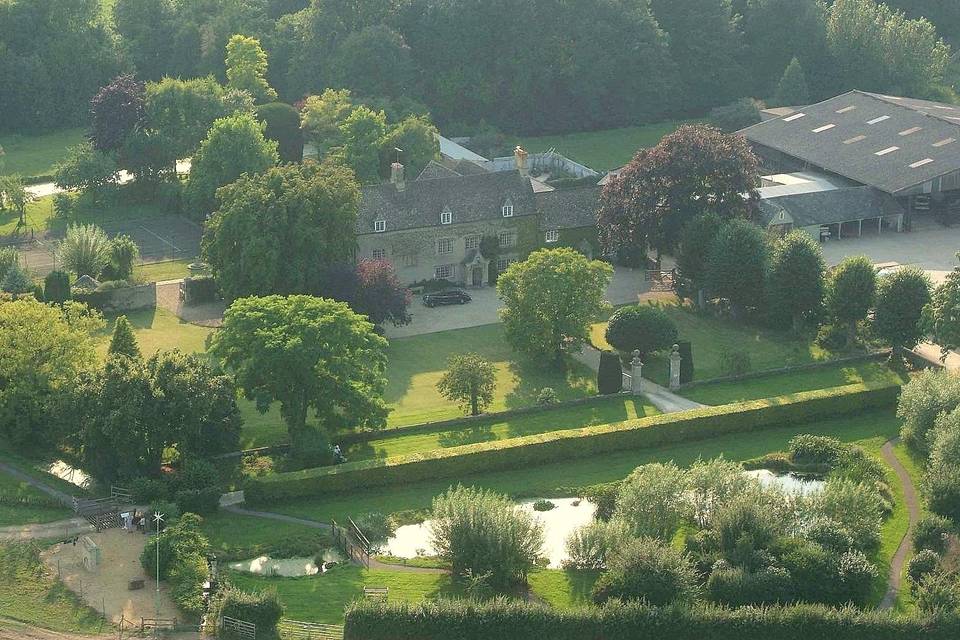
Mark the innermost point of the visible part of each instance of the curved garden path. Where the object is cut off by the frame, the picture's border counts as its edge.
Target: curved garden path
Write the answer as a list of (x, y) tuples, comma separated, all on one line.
[(913, 511), (58, 529)]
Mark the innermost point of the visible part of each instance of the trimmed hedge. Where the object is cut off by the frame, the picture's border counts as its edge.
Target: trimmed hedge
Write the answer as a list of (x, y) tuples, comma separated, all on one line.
[(698, 424), (463, 620)]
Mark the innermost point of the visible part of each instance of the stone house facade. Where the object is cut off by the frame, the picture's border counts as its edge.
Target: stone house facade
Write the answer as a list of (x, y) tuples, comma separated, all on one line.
[(433, 227)]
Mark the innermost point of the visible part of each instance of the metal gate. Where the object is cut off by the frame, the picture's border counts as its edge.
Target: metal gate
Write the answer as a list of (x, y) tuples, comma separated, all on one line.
[(238, 628)]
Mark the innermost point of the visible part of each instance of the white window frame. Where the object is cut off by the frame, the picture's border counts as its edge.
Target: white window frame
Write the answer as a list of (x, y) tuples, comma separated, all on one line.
[(379, 254), (446, 217), (552, 235), (471, 242), (509, 236), (443, 272), (379, 226), (507, 210), (444, 242)]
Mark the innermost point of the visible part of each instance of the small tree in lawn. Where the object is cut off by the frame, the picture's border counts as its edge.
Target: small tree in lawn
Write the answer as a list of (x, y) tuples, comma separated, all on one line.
[(469, 380), (641, 327), (737, 264), (795, 280), (247, 68), (14, 192), (792, 89), (696, 238), (901, 297), (124, 252), (851, 290), (941, 318), (550, 299), (124, 342)]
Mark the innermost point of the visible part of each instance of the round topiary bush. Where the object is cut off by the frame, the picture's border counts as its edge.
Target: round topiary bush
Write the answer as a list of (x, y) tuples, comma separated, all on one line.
[(922, 565), (649, 570), (932, 533), (642, 327), (610, 374)]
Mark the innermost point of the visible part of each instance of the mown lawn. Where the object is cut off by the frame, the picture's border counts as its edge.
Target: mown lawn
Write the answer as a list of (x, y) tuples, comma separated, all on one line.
[(603, 150), (322, 598), (166, 270), (159, 329), (615, 409), (35, 155), (39, 214), (28, 594), (416, 364), (795, 382), (711, 336), (14, 514), (562, 479), (563, 589)]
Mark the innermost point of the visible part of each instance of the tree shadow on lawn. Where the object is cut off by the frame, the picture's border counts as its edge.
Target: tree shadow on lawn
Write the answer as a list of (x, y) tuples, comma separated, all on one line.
[(574, 380)]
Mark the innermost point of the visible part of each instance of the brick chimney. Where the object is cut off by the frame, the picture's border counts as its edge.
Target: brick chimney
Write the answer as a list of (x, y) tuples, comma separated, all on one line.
[(520, 157), (396, 176)]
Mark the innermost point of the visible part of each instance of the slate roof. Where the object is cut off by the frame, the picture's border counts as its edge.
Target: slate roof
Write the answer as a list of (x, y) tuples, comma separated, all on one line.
[(828, 207), (844, 134), (436, 170), (470, 199), (568, 208)]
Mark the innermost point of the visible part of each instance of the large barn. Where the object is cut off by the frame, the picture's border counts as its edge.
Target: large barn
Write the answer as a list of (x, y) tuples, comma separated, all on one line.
[(859, 163)]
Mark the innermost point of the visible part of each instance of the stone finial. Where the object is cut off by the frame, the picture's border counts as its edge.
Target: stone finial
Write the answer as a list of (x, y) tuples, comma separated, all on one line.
[(636, 374), (675, 367)]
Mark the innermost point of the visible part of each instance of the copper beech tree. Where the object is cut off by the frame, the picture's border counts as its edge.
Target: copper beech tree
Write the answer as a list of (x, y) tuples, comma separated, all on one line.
[(691, 172)]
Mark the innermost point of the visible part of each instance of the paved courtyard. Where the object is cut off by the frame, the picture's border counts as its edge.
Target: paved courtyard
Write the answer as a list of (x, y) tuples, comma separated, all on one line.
[(930, 246), (626, 287)]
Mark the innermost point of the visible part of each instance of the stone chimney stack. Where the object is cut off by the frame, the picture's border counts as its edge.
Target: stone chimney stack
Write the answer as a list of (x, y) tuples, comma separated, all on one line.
[(520, 156), (396, 176)]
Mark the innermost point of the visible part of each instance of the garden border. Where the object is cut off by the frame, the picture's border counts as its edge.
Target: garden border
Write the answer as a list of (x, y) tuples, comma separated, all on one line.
[(642, 433)]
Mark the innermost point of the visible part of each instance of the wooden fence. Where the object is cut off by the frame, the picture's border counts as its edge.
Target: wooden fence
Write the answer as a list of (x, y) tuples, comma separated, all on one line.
[(296, 630)]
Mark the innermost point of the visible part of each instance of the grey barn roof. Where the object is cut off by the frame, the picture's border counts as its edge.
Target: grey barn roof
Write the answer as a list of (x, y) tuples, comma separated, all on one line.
[(469, 198), (569, 208), (829, 207), (886, 142)]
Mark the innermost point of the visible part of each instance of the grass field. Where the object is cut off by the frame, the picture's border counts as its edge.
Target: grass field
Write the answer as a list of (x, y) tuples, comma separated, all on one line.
[(795, 382), (603, 150), (710, 336), (563, 589), (614, 409), (31, 156), (28, 594), (166, 270), (159, 329), (322, 598), (11, 514), (39, 215)]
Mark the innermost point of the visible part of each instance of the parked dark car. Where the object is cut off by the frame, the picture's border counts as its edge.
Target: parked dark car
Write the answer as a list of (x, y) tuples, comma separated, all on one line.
[(447, 296)]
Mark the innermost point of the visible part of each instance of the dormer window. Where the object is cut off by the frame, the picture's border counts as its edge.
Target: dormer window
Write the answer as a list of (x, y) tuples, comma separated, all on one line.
[(446, 216), (379, 226), (507, 209)]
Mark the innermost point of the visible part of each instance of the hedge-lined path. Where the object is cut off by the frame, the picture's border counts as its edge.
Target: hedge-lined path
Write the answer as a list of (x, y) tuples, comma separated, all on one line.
[(325, 526), (913, 511)]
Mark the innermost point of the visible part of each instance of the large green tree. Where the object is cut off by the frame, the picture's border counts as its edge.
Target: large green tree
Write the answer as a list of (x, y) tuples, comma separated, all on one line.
[(307, 354), (416, 137), (247, 68), (795, 280), (792, 89), (550, 299), (234, 146), (183, 111), (363, 132), (693, 252), (322, 117), (42, 349), (693, 171), (851, 291), (116, 112), (279, 231), (737, 264), (901, 297), (942, 316)]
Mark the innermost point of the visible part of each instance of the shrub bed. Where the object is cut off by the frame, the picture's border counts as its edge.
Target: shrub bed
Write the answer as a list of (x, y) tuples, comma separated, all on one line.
[(697, 424), (366, 620)]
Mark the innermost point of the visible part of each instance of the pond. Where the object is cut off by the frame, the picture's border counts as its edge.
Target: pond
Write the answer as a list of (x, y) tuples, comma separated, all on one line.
[(790, 483), (285, 567), (567, 515), (70, 474)]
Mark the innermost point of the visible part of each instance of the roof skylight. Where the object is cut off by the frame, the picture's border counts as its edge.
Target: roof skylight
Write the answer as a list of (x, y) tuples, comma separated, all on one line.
[(884, 152), (921, 163), (825, 127), (876, 120), (847, 109), (911, 130), (854, 139), (944, 142), (795, 116)]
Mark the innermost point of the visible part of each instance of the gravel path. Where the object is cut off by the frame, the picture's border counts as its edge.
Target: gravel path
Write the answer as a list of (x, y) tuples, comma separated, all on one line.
[(913, 509)]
